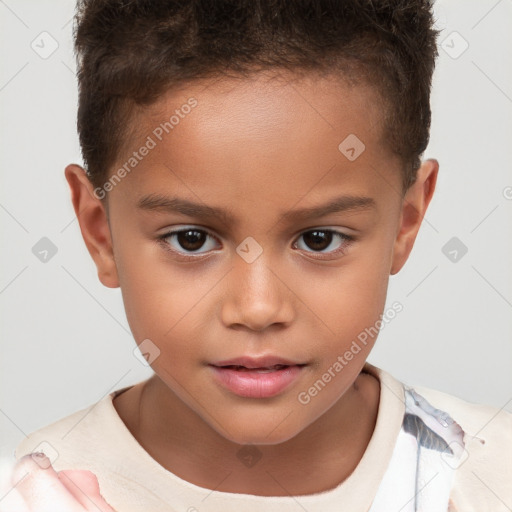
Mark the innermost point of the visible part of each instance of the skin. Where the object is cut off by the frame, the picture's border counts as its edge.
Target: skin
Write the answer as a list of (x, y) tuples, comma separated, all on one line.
[(37, 487), (258, 148)]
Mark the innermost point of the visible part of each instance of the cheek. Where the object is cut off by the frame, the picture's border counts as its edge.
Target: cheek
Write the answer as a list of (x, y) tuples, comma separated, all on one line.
[(348, 298), (153, 295), (163, 303), (347, 308)]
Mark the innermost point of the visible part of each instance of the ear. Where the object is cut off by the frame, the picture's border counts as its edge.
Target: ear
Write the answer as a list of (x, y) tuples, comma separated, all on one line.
[(94, 225), (414, 206)]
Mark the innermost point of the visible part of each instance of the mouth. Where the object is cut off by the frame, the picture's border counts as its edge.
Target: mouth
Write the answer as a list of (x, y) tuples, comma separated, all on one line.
[(257, 362), (274, 368), (256, 381)]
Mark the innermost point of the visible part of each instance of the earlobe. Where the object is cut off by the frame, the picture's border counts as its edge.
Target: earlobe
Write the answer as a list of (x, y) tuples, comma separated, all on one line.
[(94, 226), (414, 206)]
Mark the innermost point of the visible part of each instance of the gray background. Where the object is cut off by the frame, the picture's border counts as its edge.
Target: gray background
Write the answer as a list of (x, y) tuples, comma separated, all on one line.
[(65, 338)]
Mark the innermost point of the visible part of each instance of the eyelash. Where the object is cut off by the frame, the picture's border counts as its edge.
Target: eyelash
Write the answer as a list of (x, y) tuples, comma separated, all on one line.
[(345, 239)]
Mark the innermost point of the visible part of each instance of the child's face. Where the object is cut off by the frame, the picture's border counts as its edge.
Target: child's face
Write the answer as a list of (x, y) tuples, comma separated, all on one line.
[(257, 150)]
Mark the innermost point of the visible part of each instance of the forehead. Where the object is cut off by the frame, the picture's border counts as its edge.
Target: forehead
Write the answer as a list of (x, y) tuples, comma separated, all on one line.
[(278, 137), (258, 107)]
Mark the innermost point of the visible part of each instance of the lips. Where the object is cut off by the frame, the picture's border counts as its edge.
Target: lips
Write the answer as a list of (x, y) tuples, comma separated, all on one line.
[(261, 377), (257, 370), (261, 363)]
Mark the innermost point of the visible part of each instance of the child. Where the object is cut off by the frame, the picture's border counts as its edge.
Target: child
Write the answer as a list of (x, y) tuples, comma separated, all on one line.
[(252, 177)]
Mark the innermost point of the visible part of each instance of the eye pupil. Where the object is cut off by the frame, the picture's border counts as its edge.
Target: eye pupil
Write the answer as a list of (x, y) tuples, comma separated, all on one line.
[(318, 240), (189, 239), (192, 240)]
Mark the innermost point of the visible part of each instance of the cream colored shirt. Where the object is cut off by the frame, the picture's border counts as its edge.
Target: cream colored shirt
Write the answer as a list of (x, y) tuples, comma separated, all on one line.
[(429, 452)]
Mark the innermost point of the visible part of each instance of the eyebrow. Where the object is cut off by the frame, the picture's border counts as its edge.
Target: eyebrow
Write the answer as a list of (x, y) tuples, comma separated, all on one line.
[(160, 203)]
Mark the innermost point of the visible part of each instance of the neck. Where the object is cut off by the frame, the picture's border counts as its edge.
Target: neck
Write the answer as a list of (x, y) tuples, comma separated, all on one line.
[(195, 452)]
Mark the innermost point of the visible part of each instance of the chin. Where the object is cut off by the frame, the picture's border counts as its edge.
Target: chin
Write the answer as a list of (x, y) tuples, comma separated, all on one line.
[(256, 431)]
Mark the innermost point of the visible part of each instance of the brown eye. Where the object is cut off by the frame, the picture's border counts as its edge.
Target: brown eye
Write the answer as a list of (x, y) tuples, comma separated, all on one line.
[(318, 240), (323, 241), (189, 240)]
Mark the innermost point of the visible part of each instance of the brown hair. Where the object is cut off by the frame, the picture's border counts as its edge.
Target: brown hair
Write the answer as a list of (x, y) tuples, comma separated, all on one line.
[(129, 52)]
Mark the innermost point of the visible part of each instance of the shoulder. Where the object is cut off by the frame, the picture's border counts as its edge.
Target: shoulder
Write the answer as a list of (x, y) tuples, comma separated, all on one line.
[(72, 441), (484, 419), (483, 479)]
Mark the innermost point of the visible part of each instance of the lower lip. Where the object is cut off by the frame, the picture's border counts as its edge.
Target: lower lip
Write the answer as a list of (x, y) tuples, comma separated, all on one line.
[(251, 384)]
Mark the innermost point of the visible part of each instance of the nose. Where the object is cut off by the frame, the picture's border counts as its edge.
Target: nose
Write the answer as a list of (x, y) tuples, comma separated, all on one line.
[(257, 296)]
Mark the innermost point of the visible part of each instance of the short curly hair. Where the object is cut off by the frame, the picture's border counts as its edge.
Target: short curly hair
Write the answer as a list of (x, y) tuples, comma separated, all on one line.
[(129, 52)]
